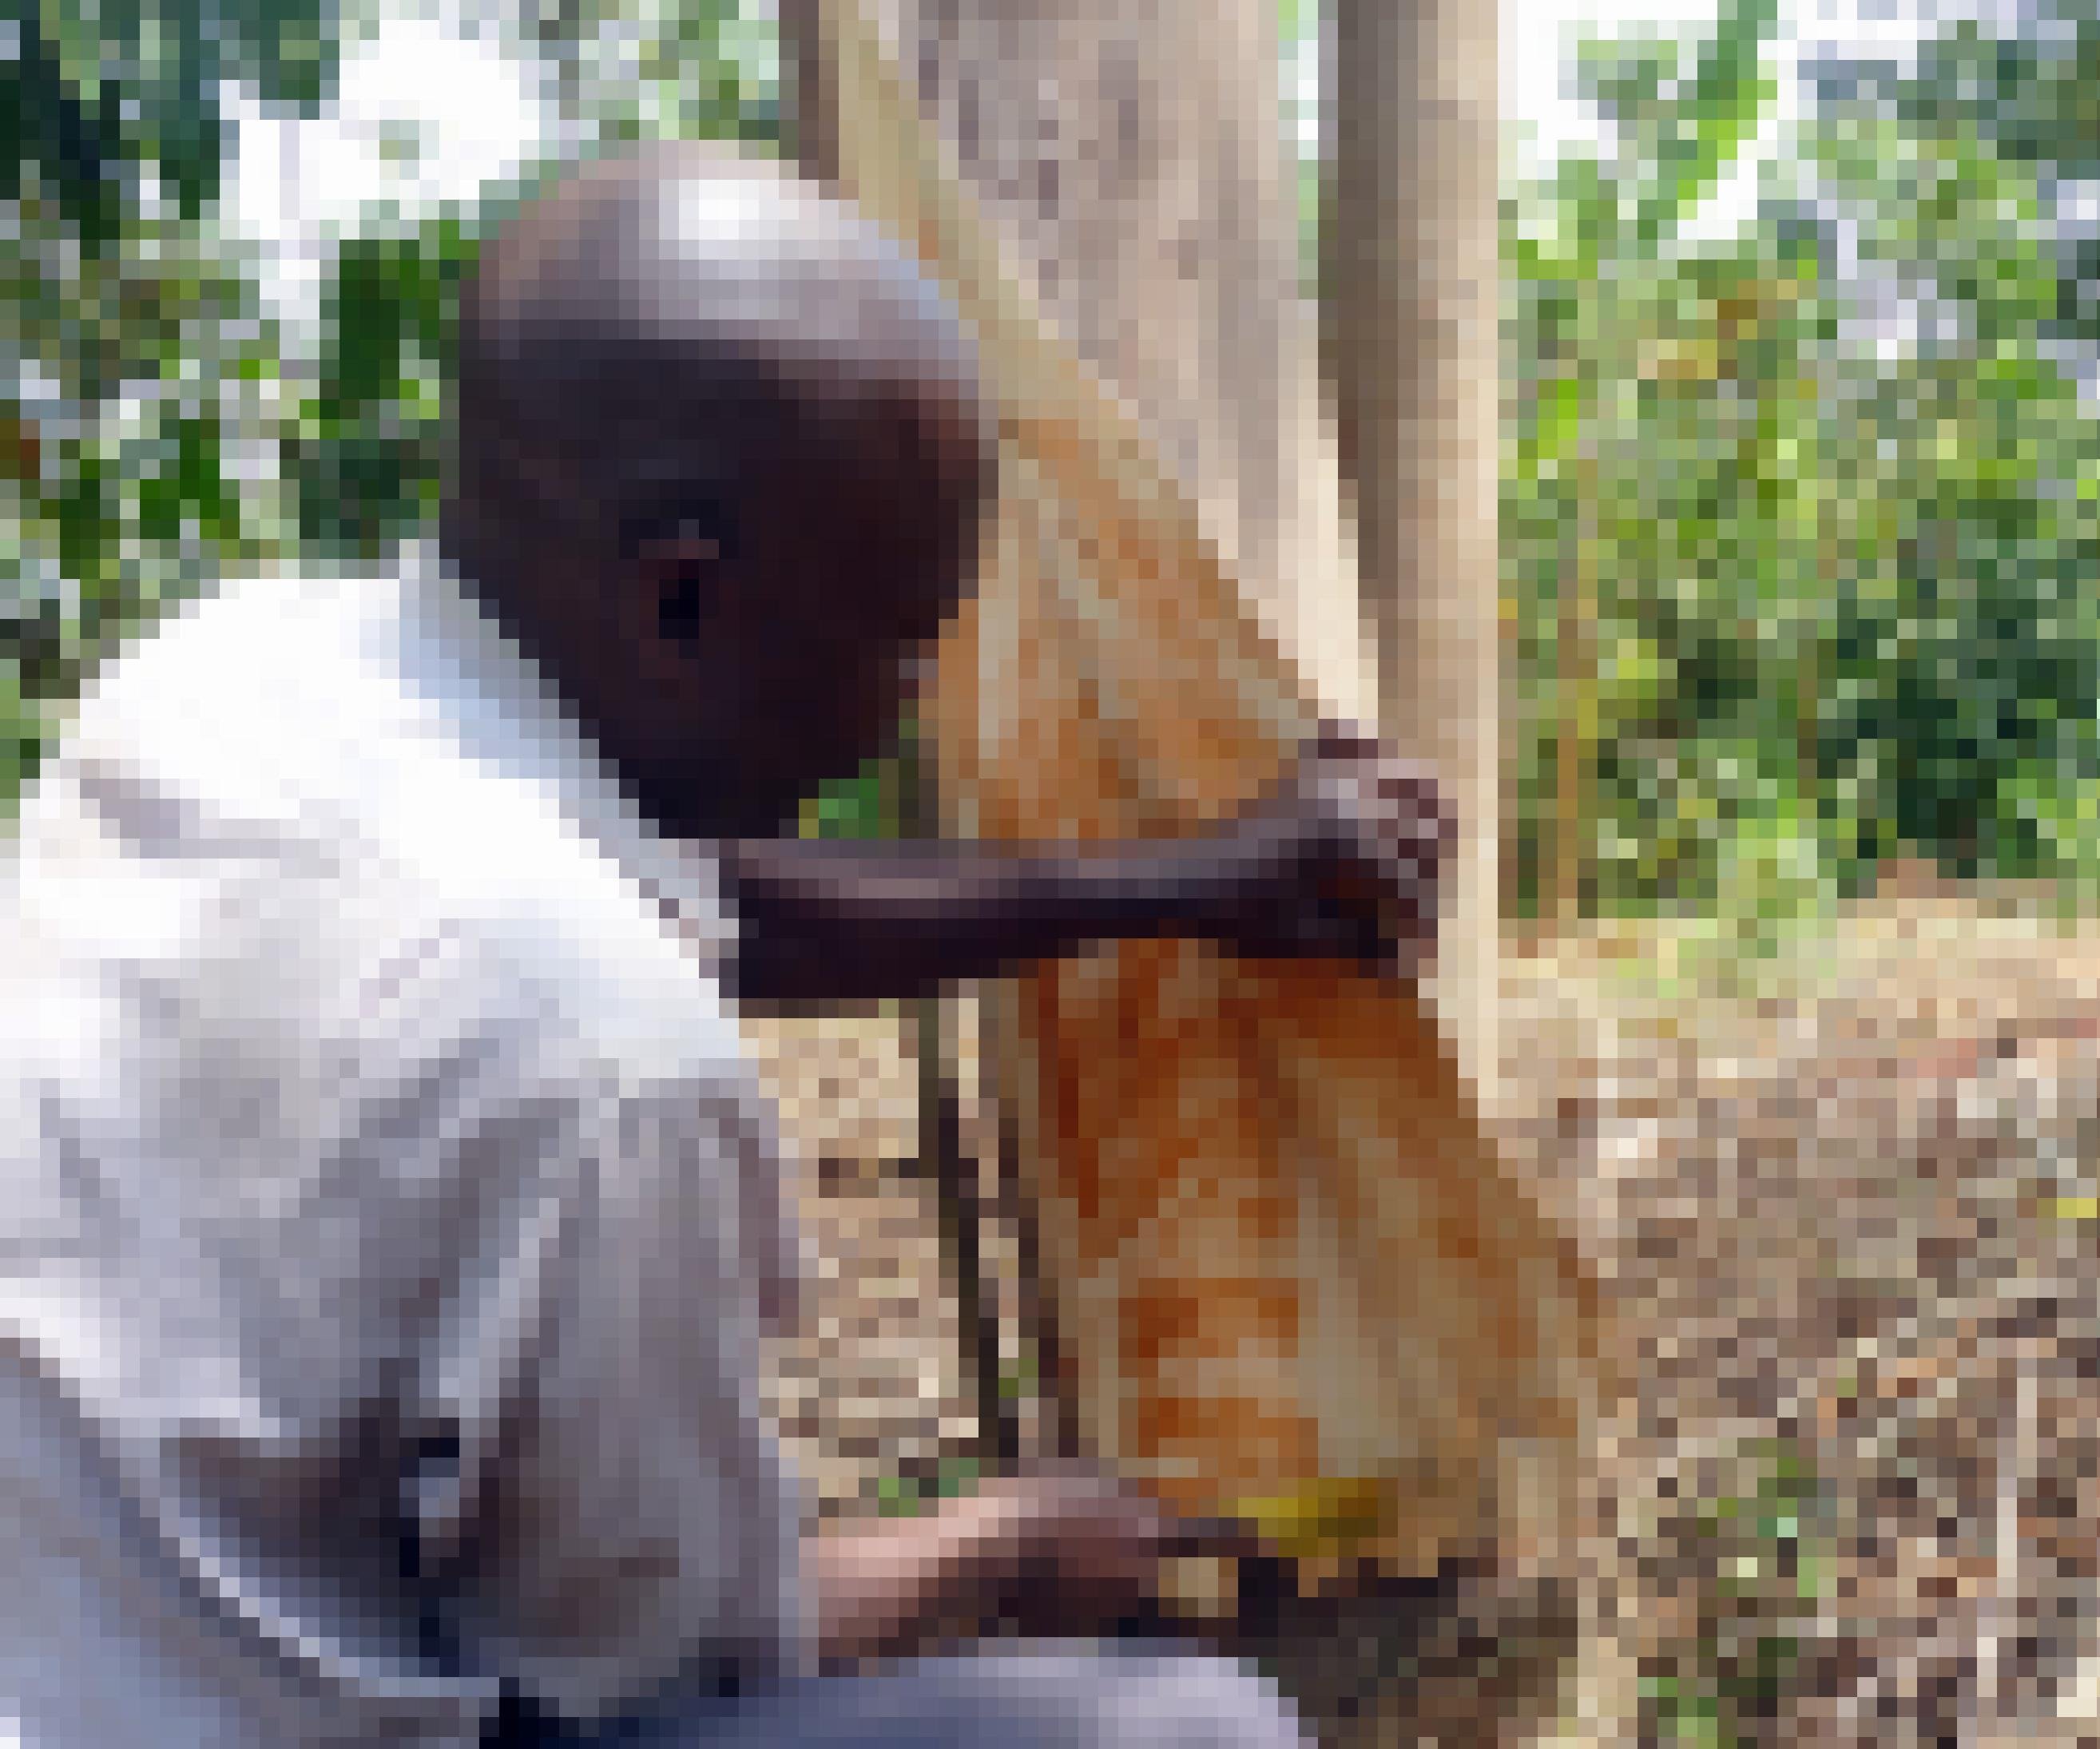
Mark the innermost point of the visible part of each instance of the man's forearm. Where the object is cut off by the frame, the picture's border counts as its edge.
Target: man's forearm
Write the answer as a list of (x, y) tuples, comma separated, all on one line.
[(841, 922)]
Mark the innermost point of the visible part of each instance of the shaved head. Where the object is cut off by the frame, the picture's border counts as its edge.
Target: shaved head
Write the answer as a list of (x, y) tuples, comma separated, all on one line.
[(721, 453), (690, 259)]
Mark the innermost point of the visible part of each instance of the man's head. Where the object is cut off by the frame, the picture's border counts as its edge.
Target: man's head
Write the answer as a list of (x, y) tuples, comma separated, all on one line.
[(721, 459)]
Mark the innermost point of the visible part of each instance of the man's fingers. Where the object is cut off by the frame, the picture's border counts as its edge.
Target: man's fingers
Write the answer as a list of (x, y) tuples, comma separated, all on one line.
[(1369, 835), (1337, 739), (1215, 1539), (1398, 800)]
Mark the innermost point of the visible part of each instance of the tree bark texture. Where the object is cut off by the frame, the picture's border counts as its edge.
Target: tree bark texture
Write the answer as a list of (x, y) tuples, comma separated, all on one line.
[(1411, 353)]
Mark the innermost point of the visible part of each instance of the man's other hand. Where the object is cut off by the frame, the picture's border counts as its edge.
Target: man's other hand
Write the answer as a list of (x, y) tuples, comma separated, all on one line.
[(1086, 1551), (1067, 1553), (1343, 859)]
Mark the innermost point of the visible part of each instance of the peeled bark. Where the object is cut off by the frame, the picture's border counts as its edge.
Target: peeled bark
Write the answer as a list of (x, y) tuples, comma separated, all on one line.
[(1287, 1260)]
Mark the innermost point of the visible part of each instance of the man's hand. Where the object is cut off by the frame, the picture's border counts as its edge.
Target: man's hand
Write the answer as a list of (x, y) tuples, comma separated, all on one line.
[(1068, 1552), (1084, 1552), (1342, 859)]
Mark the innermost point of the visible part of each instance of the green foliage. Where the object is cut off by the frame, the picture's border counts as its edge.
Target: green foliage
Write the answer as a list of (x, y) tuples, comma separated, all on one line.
[(867, 804), (912, 1496), (881, 798), (664, 69), (1828, 606), (134, 440), (1762, 1555), (367, 453), (2032, 96), (1682, 118), (97, 90)]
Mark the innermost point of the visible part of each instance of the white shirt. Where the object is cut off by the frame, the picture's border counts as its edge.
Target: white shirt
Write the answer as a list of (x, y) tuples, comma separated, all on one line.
[(377, 1153)]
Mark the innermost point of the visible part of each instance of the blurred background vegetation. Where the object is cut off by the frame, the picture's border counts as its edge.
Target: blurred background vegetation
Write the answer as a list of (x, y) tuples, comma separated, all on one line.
[(1800, 524)]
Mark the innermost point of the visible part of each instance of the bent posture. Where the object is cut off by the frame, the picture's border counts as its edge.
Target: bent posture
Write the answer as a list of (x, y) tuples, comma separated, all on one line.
[(387, 1213)]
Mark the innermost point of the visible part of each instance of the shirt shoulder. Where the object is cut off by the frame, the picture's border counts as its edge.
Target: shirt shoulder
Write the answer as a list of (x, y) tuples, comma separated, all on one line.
[(354, 742)]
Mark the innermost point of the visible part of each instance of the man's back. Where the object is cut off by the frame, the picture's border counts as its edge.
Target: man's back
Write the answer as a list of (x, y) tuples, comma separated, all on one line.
[(370, 1108)]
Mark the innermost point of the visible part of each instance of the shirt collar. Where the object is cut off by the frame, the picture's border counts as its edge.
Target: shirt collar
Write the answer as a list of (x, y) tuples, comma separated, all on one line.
[(506, 714)]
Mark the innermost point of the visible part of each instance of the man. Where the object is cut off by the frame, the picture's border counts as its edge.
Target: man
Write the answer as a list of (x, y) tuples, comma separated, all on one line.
[(388, 1211)]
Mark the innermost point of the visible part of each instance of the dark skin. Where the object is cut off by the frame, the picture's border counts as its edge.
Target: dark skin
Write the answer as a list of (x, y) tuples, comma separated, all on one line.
[(844, 922), (727, 663)]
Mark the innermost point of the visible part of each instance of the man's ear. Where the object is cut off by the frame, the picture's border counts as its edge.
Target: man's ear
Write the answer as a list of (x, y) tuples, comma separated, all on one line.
[(682, 550), (686, 580)]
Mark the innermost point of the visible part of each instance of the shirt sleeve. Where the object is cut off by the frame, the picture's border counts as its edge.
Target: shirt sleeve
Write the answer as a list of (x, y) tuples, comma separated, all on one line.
[(612, 1506)]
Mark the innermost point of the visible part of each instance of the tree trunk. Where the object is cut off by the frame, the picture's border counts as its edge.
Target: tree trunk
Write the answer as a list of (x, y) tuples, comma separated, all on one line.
[(1410, 339), (1298, 1282), (1133, 163), (1133, 159)]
